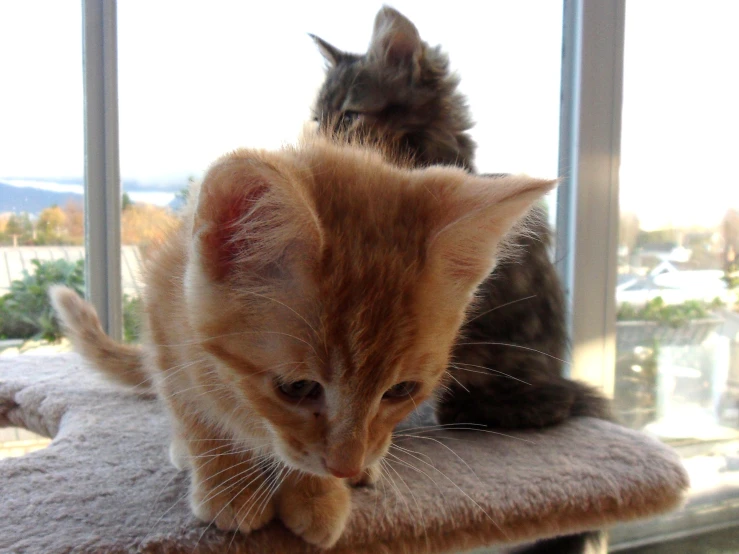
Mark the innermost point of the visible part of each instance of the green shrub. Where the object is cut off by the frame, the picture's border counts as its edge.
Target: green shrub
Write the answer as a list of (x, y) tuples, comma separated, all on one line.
[(25, 312), (131, 318), (672, 315)]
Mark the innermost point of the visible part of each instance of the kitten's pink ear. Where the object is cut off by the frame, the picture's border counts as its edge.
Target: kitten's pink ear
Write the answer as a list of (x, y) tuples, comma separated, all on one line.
[(476, 216), (248, 216), (331, 54), (395, 39)]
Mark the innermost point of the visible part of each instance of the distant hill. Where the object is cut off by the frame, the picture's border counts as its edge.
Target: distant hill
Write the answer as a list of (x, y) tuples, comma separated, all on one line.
[(172, 184), (32, 200), (34, 196)]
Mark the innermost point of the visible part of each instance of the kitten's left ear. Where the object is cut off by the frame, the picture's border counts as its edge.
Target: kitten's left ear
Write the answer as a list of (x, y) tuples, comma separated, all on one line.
[(395, 39), (475, 216), (331, 54), (249, 215)]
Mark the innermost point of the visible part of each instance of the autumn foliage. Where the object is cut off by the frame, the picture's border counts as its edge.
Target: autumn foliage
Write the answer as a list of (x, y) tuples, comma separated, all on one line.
[(143, 225)]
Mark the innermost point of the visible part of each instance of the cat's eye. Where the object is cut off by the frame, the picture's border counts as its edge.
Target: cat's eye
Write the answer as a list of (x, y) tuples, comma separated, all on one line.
[(401, 390), (299, 390), (349, 117)]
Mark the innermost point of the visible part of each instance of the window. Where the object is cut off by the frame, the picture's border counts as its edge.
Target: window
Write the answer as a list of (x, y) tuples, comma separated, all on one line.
[(660, 330), (677, 329), (677, 335)]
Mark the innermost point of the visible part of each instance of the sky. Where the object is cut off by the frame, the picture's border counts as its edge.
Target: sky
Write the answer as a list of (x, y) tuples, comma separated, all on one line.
[(680, 134), (197, 79)]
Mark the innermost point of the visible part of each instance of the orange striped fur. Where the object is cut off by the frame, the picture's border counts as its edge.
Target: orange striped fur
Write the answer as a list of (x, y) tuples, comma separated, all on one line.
[(320, 263)]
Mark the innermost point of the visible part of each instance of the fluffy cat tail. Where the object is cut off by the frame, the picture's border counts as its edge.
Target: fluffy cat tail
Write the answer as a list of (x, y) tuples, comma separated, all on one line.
[(122, 363)]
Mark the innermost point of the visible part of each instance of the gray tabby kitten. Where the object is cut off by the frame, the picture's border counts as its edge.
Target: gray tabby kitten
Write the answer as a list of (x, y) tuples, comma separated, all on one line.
[(507, 366)]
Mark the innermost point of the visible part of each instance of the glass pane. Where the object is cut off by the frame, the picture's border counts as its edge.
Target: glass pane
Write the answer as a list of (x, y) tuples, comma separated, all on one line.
[(226, 77), (677, 372), (16, 441), (41, 167)]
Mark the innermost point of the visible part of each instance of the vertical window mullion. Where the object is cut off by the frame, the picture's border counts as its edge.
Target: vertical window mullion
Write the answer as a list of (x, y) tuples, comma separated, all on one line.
[(102, 173), (587, 212)]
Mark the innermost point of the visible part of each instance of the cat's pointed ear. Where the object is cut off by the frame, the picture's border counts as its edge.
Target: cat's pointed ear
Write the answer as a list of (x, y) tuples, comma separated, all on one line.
[(395, 39), (475, 217), (250, 216), (330, 53)]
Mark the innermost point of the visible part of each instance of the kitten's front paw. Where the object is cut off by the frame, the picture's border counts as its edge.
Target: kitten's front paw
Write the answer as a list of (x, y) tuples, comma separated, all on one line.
[(232, 508), (368, 477), (315, 508)]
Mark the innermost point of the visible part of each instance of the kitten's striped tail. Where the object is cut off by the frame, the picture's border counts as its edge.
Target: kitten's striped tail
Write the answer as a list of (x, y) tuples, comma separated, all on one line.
[(120, 362)]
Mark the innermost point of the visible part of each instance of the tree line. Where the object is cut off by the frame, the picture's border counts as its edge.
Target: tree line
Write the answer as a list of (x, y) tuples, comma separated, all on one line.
[(141, 224)]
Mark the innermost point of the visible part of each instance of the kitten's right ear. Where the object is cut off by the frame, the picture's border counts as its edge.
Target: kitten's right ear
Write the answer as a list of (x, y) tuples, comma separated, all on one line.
[(476, 213), (395, 40), (248, 216), (330, 53)]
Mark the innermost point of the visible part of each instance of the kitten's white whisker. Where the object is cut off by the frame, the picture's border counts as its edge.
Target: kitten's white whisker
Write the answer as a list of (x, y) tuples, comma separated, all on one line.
[(418, 506), (499, 307), (232, 497), (159, 494), (409, 465), (513, 346), (457, 381), (457, 365), (398, 494), (419, 436), (465, 495), (413, 452), (226, 505), (253, 501), (384, 464), (442, 426), (244, 475), (233, 452), (277, 483), (398, 459), (252, 469), (453, 452), (419, 470), (264, 486)]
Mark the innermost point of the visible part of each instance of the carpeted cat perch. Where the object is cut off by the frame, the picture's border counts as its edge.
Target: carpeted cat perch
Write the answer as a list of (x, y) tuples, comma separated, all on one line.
[(105, 484)]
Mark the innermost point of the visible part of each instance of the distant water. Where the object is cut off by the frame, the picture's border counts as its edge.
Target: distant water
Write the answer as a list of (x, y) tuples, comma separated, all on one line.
[(152, 197), (158, 198)]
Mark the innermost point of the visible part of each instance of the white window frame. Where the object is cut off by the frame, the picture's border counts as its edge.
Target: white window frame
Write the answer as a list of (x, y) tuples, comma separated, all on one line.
[(587, 202), (102, 168)]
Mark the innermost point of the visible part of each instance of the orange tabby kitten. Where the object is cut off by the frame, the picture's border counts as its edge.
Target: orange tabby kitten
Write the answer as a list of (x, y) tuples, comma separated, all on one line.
[(309, 299)]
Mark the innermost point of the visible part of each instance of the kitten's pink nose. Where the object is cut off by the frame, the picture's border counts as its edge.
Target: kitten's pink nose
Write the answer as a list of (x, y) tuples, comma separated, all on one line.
[(342, 472)]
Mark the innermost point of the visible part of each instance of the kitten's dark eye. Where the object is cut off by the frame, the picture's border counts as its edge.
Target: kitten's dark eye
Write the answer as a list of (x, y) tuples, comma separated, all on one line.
[(401, 390), (298, 390), (349, 117)]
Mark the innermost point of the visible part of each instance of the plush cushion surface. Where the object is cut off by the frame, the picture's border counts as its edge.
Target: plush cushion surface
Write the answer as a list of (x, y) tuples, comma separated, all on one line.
[(105, 484)]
